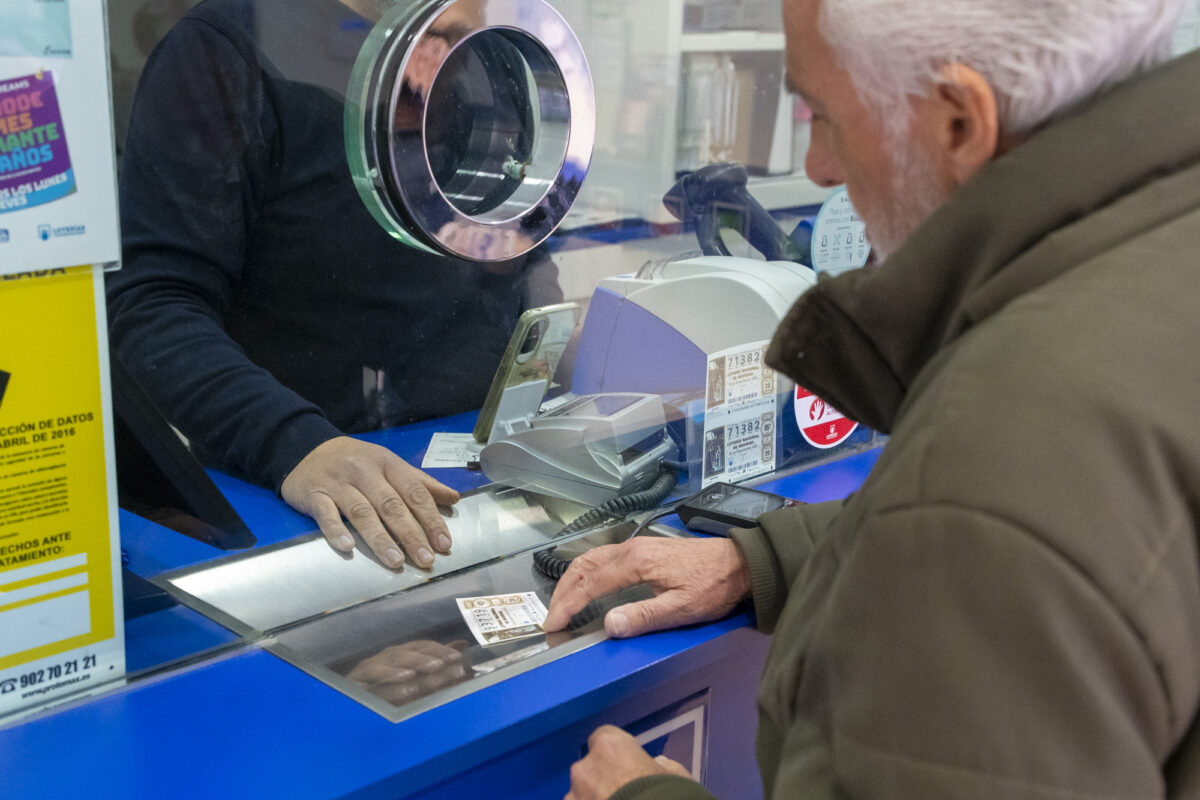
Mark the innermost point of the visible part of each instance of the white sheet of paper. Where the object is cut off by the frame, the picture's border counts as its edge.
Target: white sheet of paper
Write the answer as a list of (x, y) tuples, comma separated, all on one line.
[(451, 450)]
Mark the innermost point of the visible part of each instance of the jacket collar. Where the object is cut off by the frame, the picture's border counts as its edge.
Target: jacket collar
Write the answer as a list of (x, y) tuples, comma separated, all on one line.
[(859, 340)]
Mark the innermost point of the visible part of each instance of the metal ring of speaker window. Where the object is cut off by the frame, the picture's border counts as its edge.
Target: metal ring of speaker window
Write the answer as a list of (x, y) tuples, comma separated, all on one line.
[(470, 125)]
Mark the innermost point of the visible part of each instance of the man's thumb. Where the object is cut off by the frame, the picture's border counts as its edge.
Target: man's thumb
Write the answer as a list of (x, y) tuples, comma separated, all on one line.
[(634, 619)]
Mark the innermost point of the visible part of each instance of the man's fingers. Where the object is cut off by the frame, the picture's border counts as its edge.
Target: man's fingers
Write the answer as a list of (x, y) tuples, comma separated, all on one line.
[(655, 614), (587, 578), (600, 571), (694, 581), (607, 735), (672, 766)]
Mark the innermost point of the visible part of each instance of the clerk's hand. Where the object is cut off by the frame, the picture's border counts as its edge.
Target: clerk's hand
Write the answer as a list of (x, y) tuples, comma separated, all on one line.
[(393, 505), (614, 759), (694, 580), (404, 672)]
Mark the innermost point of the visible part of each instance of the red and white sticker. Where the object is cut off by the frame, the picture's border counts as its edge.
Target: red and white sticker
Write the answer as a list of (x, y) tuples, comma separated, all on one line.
[(821, 424)]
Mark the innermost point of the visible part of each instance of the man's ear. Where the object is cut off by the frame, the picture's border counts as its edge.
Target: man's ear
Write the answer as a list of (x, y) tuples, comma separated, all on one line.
[(968, 121)]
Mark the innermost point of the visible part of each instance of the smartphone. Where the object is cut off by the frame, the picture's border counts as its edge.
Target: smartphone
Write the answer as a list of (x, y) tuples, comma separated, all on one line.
[(722, 506), (523, 377)]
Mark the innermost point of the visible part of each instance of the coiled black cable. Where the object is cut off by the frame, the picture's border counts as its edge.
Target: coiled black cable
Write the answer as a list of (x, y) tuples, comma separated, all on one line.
[(553, 566)]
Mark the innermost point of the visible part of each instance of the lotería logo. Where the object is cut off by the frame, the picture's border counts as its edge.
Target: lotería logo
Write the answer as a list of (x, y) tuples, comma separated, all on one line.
[(4, 376), (46, 232)]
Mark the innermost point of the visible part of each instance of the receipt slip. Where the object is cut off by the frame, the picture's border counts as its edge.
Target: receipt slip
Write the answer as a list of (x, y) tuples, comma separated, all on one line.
[(495, 619)]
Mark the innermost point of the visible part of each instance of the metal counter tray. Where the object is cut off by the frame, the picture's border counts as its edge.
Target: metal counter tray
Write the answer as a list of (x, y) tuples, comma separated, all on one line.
[(325, 612)]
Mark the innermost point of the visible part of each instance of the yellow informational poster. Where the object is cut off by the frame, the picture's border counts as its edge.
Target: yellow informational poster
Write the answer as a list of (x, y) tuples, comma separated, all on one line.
[(61, 627)]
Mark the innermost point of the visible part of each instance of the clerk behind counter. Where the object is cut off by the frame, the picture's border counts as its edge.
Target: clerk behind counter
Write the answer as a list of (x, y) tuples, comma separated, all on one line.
[(261, 307)]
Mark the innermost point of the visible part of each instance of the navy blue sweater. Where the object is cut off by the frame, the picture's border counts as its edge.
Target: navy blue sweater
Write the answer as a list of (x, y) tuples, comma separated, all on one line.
[(259, 305)]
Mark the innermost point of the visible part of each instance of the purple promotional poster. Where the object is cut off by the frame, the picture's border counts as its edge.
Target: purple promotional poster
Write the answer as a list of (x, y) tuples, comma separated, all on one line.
[(35, 167)]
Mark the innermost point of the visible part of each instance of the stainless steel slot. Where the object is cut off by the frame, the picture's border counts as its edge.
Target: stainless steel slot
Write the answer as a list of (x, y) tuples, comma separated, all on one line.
[(326, 614), (277, 586)]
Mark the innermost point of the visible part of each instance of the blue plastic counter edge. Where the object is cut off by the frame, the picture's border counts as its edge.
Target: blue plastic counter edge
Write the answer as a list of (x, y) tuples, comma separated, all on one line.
[(283, 733), (253, 723)]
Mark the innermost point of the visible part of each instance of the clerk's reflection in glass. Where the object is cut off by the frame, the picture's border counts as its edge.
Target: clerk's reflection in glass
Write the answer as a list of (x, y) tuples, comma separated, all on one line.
[(405, 672), (260, 305)]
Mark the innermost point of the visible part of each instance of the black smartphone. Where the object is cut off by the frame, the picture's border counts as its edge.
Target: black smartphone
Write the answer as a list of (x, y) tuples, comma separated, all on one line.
[(722, 506)]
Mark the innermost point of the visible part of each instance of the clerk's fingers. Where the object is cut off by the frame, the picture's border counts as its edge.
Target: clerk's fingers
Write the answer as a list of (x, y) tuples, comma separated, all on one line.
[(452, 674), (448, 654), (398, 693), (376, 491), (361, 513), (325, 513), (410, 510), (407, 691), (407, 661), (371, 672), (416, 660), (390, 523), (600, 571), (442, 494)]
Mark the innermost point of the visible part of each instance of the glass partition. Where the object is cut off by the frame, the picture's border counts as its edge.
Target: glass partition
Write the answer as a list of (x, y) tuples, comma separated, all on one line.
[(359, 216), (335, 215), (378, 217)]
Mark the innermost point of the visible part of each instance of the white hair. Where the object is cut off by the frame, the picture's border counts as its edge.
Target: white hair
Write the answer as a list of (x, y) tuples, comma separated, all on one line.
[(1041, 57)]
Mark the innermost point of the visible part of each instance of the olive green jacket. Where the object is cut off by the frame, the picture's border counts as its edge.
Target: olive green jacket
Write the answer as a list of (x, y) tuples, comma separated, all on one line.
[(1009, 607)]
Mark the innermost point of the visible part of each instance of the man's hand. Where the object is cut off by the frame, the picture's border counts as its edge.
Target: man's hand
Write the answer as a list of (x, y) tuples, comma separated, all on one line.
[(414, 669), (614, 759), (694, 580), (393, 505)]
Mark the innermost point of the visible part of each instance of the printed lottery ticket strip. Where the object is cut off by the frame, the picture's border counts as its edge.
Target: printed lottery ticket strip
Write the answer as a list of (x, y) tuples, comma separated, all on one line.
[(503, 618), (739, 419)]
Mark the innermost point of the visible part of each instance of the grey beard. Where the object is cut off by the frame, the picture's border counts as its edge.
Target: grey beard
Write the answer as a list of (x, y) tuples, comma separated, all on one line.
[(915, 195)]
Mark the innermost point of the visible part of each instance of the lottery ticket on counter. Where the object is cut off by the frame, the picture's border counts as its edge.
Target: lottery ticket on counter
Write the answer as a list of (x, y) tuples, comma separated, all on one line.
[(739, 416), (494, 619)]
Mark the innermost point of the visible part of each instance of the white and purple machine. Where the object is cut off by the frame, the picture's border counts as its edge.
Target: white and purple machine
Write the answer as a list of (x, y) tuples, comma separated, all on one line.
[(657, 334)]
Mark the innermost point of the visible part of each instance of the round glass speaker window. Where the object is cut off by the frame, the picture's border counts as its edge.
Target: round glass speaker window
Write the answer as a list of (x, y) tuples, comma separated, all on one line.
[(469, 125)]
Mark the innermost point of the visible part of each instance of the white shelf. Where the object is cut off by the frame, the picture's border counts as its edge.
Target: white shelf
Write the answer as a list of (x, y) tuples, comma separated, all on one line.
[(773, 192), (786, 191), (731, 41)]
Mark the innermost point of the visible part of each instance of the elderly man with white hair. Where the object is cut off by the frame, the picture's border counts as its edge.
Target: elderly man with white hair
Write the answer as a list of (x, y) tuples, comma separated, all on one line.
[(1009, 607)]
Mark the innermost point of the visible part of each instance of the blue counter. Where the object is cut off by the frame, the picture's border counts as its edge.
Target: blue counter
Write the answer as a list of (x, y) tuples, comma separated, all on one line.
[(237, 721)]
